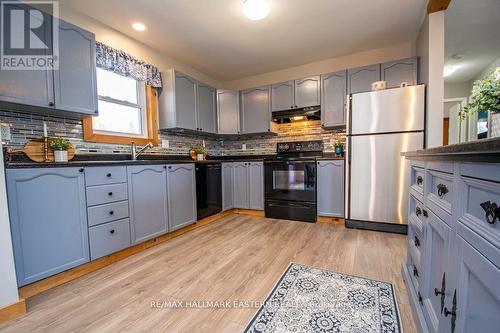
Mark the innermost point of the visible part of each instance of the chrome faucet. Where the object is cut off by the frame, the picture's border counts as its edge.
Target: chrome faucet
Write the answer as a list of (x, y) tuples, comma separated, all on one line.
[(135, 153)]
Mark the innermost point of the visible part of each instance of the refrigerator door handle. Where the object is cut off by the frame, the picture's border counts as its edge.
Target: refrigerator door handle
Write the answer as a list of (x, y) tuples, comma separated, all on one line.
[(348, 101)]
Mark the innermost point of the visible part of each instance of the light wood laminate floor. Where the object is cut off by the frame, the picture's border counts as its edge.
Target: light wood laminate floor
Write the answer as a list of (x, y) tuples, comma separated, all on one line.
[(238, 258)]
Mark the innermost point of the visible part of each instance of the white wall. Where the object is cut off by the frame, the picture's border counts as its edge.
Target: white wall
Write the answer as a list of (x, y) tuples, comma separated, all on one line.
[(430, 49), (457, 89), (8, 284)]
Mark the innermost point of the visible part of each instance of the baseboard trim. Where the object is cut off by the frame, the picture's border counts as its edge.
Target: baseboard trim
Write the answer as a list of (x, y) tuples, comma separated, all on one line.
[(377, 226), (12, 311), (253, 212), (329, 219)]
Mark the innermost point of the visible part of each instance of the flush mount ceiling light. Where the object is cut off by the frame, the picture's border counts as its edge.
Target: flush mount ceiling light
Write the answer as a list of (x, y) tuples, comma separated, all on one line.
[(256, 9), (448, 70), (139, 26)]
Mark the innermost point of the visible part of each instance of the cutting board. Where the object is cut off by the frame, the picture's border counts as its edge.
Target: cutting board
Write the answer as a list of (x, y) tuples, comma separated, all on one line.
[(34, 150)]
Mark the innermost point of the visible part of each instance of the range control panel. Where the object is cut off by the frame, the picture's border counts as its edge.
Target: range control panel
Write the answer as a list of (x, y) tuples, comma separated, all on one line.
[(300, 146)]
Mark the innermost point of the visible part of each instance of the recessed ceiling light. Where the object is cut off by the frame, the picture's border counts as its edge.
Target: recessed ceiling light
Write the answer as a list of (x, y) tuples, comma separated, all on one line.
[(256, 9), (139, 26), (448, 70)]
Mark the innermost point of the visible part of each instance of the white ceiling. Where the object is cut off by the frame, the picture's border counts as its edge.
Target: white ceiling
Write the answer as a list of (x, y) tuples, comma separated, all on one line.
[(472, 28), (214, 37)]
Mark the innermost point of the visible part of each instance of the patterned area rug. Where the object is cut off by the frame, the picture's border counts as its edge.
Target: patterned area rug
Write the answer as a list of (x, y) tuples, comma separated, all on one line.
[(308, 299)]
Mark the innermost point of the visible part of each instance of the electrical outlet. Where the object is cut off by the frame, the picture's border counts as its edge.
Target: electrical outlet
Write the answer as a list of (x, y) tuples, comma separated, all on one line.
[(5, 132), (165, 144), (243, 146)]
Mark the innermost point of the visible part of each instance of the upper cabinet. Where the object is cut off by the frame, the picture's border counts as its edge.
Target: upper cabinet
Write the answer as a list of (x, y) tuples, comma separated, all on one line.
[(296, 94), (228, 112), (206, 108), (333, 98), (282, 96), (75, 86), (186, 103), (360, 79), (400, 71), (256, 110), (70, 89), (307, 92)]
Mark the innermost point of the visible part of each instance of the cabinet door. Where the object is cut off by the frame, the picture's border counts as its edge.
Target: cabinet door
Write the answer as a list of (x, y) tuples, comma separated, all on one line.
[(206, 108), (256, 110), (361, 79), (75, 82), (433, 272), (48, 221), (333, 95), (181, 195), (240, 185), (256, 185), (228, 112), (227, 186), (397, 72), (478, 295), (185, 101), (282, 96), (307, 92), (331, 188), (147, 193)]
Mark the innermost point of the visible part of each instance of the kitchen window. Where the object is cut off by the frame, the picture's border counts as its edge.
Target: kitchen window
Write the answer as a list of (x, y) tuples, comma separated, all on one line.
[(127, 111)]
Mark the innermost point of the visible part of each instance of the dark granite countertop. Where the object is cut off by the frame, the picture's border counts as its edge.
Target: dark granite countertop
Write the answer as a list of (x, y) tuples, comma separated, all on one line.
[(485, 150)]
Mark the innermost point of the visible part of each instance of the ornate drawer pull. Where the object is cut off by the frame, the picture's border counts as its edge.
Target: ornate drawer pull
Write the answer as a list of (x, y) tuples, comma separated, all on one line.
[(418, 211), (453, 312), (420, 299), (492, 211), (415, 271), (441, 292), (416, 241), (420, 180), (442, 189)]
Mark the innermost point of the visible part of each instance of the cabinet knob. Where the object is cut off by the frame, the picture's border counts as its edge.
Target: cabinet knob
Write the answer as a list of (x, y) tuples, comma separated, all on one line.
[(491, 211), (170, 167), (111, 212), (416, 241), (420, 180), (442, 189), (112, 231), (80, 170), (108, 175), (51, 103), (425, 213), (164, 167), (415, 271), (110, 193), (420, 299), (418, 211)]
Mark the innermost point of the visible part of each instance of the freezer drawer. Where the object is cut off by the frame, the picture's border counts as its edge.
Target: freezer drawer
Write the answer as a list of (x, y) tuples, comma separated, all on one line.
[(379, 176), (385, 111)]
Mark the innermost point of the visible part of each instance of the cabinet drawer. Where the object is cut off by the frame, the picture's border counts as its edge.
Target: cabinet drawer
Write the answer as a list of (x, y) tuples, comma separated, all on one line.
[(107, 212), (439, 192), (105, 175), (108, 238), (417, 179), (415, 237), (480, 197), (415, 273), (416, 210), (97, 195)]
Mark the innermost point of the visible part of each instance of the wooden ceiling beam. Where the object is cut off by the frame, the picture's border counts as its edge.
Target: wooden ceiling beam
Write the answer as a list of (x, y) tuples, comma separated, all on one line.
[(437, 5)]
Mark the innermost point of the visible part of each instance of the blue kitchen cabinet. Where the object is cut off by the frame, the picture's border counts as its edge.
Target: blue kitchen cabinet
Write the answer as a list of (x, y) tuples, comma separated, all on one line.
[(333, 98), (255, 110), (255, 179), (397, 72), (148, 206), (228, 112), (240, 185), (331, 188), (307, 92), (48, 221), (227, 186), (206, 108), (181, 184), (360, 79), (75, 86), (282, 96)]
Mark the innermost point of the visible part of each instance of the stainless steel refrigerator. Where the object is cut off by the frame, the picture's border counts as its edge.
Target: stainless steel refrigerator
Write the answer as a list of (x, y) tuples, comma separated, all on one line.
[(381, 125)]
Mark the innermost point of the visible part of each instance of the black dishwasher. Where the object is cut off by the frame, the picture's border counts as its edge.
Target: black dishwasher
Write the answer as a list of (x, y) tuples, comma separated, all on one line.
[(208, 189)]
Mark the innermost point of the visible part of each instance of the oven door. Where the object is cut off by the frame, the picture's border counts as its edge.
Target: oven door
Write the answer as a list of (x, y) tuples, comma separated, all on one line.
[(290, 180)]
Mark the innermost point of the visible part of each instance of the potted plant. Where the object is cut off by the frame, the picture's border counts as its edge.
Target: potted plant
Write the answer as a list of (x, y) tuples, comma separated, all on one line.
[(485, 97), (200, 153), (60, 146), (339, 147)]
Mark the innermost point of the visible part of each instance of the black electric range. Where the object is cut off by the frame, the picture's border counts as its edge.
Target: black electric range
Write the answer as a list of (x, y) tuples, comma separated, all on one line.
[(290, 181)]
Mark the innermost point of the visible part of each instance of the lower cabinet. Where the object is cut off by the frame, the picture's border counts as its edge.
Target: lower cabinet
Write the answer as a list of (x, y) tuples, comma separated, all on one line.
[(330, 188), (181, 185), (227, 186), (108, 238), (48, 221), (147, 187), (248, 185)]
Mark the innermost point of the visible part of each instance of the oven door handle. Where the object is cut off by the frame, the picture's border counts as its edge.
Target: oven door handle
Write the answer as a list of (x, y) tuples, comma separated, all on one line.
[(288, 205), (290, 162)]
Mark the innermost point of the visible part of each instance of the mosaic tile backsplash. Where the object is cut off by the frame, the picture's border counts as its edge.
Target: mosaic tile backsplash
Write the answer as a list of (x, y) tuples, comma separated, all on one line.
[(26, 126)]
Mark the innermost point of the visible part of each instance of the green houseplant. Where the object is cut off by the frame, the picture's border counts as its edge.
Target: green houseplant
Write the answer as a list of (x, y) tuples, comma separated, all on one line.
[(200, 153), (339, 147), (60, 146), (485, 97)]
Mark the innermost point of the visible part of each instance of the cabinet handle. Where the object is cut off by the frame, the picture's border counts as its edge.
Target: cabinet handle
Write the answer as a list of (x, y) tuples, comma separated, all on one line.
[(416, 241), (420, 299), (420, 180), (295, 105), (164, 167), (441, 292), (453, 311), (425, 213), (108, 175), (80, 170), (492, 211), (110, 193), (442, 189), (51, 103), (170, 167), (111, 212), (415, 271), (418, 211), (112, 231)]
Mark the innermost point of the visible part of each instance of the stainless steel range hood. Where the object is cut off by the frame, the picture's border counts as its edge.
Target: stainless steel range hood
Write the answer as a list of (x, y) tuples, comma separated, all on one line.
[(294, 115)]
